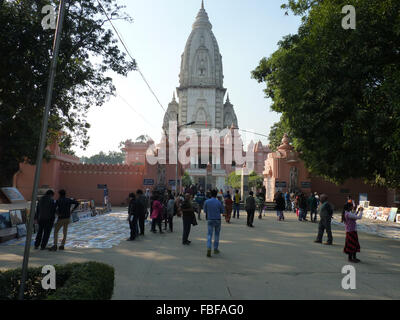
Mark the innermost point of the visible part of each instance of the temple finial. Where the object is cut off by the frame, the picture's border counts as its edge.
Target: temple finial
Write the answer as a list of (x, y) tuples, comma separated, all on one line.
[(227, 98), (202, 4), (173, 97)]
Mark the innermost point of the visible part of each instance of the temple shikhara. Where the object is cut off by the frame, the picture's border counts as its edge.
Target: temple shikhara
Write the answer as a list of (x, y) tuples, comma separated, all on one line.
[(199, 103)]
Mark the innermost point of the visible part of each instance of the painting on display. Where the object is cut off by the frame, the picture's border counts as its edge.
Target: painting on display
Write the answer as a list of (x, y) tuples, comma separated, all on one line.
[(385, 214), (364, 204), (16, 217), (393, 214), (371, 213), (13, 195), (5, 220)]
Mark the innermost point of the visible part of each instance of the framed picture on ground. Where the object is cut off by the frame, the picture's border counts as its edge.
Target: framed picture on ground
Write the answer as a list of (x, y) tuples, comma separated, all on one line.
[(16, 217), (385, 214), (393, 214), (5, 220)]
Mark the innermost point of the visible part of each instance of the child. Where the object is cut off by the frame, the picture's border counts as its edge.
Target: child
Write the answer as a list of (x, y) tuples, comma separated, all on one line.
[(350, 217)]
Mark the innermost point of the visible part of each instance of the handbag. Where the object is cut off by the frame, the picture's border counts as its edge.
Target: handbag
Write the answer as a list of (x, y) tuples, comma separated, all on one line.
[(194, 221)]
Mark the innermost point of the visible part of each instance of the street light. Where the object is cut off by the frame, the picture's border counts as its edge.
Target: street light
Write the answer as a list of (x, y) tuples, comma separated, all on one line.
[(177, 147)]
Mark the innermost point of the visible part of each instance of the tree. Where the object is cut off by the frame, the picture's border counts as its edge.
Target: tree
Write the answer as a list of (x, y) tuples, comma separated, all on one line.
[(112, 157), (233, 180), (186, 180), (143, 139), (339, 90), (255, 181), (88, 54), (276, 134)]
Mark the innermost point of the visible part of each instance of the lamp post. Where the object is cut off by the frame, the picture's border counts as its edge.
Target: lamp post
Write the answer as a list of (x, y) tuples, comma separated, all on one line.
[(178, 127), (42, 145)]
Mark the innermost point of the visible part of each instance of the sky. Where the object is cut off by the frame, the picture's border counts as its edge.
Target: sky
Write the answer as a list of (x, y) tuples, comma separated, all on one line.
[(246, 31)]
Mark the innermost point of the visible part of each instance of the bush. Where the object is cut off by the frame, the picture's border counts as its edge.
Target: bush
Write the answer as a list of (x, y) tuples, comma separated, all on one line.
[(75, 281)]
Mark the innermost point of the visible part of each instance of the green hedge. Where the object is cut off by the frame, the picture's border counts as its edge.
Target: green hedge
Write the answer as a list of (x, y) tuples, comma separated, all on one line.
[(75, 281)]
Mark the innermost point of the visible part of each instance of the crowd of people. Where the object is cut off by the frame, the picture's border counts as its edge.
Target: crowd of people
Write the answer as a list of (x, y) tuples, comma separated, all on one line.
[(298, 203), (162, 206), (319, 206)]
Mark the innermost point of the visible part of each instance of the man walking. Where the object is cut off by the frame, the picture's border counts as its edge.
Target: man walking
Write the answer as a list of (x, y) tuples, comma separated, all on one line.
[(213, 209), (132, 216), (236, 204), (313, 205), (325, 213), (188, 217), (142, 210), (287, 201), (45, 215), (64, 217), (250, 208), (302, 207)]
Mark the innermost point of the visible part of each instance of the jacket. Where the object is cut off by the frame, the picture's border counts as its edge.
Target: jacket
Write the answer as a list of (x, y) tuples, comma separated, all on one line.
[(280, 203), (187, 209), (250, 203), (325, 211), (157, 210), (64, 207), (45, 210)]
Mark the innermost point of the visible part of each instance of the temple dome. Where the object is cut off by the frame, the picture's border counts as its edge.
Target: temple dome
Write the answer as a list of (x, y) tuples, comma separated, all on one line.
[(201, 61)]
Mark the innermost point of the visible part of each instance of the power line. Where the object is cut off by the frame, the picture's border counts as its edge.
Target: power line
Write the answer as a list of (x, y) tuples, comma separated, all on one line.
[(134, 110), (129, 54)]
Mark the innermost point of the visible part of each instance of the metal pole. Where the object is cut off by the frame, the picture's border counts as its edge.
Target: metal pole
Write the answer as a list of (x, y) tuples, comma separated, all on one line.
[(42, 145)]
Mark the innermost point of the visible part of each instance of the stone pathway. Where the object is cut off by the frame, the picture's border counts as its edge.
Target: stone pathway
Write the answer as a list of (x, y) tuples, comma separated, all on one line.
[(101, 232)]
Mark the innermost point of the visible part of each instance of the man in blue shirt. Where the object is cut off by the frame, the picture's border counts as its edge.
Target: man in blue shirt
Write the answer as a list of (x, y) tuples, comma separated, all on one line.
[(213, 209)]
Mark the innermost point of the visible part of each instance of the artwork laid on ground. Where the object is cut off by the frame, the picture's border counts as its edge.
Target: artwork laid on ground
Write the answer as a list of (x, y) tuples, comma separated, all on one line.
[(99, 232), (16, 217), (5, 220), (381, 214)]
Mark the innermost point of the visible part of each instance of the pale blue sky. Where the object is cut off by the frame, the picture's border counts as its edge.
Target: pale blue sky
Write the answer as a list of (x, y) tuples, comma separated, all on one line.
[(246, 31)]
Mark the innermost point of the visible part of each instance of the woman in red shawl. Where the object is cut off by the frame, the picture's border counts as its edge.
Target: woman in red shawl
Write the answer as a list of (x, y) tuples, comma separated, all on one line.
[(156, 215), (228, 207)]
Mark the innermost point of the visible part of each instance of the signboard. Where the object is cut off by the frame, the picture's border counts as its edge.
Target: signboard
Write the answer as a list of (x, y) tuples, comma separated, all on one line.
[(172, 183), (13, 195), (280, 184), (306, 185), (363, 197), (148, 182)]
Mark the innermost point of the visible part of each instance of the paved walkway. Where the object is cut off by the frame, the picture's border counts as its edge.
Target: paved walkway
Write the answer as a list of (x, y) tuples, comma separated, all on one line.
[(272, 261)]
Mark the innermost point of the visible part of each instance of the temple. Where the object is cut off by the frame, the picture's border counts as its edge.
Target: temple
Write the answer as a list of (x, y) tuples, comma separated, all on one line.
[(199, 99)]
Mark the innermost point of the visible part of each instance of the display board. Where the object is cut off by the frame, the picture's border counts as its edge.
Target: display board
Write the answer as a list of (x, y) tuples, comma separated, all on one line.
[(381, 213), (13, 195)]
